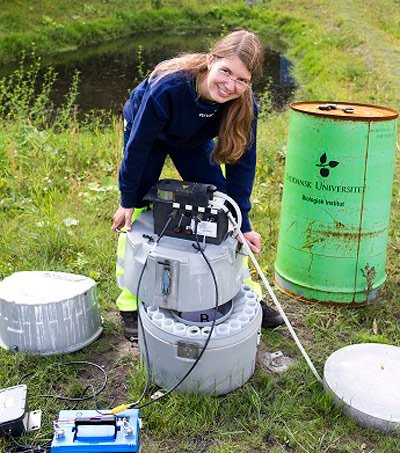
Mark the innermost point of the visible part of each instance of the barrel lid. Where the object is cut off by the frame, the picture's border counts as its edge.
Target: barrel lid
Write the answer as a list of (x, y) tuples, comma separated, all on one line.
[(345, 110)]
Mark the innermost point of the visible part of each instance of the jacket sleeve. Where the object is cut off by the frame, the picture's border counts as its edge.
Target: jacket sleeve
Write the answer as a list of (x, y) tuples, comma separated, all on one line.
[(240, 177), (149, 121)]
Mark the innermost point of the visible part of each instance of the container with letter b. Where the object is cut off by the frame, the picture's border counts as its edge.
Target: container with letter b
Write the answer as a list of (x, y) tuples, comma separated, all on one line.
[(336, 202)]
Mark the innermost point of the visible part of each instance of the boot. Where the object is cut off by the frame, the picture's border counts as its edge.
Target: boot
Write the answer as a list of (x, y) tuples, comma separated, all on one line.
[(130, 324), (270, 317)]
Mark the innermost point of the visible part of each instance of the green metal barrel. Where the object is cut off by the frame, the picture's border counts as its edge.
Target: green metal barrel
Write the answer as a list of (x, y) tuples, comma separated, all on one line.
[(336, 202)]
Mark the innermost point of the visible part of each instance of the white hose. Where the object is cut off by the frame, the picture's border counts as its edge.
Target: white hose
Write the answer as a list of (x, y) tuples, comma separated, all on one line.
[(235, 206), (236, 226)]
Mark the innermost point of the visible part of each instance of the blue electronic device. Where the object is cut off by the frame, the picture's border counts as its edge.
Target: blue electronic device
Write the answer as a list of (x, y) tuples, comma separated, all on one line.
[(89, 431)]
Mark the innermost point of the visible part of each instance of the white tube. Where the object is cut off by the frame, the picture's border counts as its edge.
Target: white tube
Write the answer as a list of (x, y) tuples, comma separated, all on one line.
[(252, 303), (250, 312), (158, 318), (250, 296), (234, 326), (243, 319), (193, 331), (246, 287), (235, 206), (179, 329), (151, 309), (167, 324), (222, 330), (205, 331), (274, 298)]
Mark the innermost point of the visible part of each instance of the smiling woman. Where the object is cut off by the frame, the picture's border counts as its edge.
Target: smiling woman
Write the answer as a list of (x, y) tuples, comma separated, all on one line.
[(184, 104), (179, 110), (220, 84)]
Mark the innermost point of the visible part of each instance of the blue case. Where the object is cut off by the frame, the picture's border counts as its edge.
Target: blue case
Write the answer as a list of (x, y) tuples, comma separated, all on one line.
[(88, 431)]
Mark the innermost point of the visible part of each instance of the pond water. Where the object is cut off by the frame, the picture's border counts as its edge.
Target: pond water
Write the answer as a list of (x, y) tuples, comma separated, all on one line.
[(108, 72)]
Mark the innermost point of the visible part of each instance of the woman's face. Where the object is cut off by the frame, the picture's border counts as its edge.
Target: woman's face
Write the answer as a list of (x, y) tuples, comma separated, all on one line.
[(226, 79)]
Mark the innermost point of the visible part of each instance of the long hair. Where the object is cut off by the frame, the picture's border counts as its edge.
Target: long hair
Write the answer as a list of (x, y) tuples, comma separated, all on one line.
[(235, 128)]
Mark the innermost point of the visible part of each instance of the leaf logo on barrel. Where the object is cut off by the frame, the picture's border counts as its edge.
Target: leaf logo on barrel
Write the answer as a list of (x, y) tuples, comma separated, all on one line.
[(325, 165)]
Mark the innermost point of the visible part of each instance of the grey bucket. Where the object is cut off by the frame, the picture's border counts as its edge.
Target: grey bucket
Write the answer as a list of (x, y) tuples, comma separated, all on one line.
[(229, 360), (48, 312)]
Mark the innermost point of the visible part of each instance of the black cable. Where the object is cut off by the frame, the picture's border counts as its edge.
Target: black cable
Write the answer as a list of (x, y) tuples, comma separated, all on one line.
[(27, 449), (81, 398), (196, 220), (67, 398), (171, 215), (148, 369), (18, 448), (84, 362)]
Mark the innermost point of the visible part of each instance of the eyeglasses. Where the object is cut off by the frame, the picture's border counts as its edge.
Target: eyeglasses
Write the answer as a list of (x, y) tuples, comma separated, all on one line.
[(241, 84)]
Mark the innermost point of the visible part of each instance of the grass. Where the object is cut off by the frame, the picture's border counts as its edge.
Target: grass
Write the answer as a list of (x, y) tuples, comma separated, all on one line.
[(45, 27), (54, 168)]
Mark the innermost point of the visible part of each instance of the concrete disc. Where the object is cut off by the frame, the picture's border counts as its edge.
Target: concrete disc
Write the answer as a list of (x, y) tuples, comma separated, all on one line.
[(365, 380)]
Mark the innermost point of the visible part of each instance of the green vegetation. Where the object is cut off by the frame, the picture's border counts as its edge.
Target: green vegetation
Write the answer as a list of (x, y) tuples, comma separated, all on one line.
[(53, 27), (54, 168)]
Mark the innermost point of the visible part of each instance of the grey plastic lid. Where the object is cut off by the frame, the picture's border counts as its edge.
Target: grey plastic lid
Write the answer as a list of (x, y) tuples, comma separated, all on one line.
[(42, 287), (365, 379)]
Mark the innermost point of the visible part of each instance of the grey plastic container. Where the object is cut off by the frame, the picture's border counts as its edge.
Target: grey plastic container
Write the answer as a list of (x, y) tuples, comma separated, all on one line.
[(48, 312), (229, 360), (179, 265)]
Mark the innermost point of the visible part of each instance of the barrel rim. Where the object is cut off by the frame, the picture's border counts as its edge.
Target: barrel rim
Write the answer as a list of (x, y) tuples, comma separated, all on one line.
[(394, 113)]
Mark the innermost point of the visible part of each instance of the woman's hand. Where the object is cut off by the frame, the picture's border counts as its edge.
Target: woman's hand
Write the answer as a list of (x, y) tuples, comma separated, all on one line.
[(253, 240), (122, 218)]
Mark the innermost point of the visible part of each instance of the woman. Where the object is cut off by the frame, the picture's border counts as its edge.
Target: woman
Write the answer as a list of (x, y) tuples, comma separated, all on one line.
[(178, 110)]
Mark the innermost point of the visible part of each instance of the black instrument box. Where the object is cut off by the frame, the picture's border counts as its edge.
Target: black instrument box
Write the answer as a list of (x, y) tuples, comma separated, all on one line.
[(187, 204)]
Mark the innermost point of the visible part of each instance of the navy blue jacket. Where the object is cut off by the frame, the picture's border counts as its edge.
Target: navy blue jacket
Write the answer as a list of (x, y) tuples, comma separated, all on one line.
[(167, 113)]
